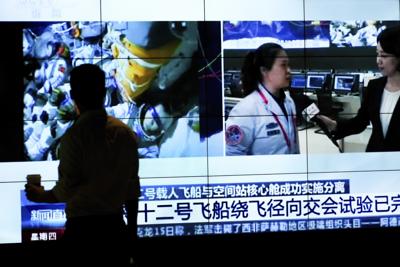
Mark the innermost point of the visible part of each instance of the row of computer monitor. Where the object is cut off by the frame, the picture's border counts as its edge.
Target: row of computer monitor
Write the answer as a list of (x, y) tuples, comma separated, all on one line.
[(311, 81), (340, 83)]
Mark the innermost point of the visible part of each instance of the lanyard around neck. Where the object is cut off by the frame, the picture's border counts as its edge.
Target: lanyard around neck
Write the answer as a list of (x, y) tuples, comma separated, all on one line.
[(285, 135)]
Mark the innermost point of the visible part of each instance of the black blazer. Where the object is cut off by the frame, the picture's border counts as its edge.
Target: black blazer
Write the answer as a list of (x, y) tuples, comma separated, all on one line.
[(369, 112)]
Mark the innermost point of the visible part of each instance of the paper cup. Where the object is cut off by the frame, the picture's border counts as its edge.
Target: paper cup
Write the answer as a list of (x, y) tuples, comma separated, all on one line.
[(33, 179)]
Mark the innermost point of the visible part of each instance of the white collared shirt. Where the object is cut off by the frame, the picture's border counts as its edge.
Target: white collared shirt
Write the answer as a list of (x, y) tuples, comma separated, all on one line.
[(389, 101)]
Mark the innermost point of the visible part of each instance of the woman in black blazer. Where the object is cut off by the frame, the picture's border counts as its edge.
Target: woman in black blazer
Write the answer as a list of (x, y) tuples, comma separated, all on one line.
[(380, 104)]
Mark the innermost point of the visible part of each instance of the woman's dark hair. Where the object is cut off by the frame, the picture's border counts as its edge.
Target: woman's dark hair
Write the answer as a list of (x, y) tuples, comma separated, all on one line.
[(389, 39), (88, 86), (263, 56)]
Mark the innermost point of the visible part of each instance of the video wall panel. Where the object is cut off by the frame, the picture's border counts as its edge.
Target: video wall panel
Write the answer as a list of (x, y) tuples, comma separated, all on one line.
[(174, 78)]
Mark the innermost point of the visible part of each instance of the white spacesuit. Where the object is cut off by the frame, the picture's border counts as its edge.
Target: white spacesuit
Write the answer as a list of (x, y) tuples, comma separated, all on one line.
[(137, 57), (257, 126), (43, 136), (184, 131), (149, 54), (51, 74), (148, 122), (48, 120)]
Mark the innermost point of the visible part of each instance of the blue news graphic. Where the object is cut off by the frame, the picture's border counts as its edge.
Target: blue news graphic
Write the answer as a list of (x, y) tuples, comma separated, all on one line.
[(252, 227), (178, 210), (234, 208), (41, 221), (256, 189)]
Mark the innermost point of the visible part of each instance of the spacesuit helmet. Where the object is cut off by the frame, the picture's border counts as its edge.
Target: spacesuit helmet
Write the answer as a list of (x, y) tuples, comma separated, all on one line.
[(143, 49), (152, 121)]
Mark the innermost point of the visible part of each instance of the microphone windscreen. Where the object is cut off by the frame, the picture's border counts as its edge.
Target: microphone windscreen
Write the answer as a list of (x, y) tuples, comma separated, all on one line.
[(310, 112)]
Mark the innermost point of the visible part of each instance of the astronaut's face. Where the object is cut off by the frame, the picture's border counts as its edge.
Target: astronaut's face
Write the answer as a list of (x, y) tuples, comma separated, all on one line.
[(156, 120), (279, 75), (387, 63)]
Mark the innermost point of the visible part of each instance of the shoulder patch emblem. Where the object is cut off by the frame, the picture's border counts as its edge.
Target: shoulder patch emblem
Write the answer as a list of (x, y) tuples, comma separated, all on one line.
[(234, 135)]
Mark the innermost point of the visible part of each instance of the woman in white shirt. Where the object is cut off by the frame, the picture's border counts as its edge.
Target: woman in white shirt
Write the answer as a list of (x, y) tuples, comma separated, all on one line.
[(264, 122), (380, 105)]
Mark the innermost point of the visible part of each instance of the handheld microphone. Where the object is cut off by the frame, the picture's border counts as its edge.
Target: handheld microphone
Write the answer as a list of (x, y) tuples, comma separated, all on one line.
[(310, 113)]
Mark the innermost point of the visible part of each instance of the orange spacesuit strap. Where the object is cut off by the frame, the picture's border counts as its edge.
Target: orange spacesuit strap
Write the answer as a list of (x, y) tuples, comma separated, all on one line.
[(157, 55)]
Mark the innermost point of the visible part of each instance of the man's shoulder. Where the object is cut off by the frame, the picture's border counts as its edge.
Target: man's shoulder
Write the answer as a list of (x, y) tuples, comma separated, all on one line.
[(114, 124)]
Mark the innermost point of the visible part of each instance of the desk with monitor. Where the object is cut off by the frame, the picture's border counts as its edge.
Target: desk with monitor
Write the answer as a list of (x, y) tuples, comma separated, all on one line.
[(344, 90), (350, 103)]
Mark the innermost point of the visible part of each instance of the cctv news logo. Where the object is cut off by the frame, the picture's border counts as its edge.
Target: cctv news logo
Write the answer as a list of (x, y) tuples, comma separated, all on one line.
[(310, 112)]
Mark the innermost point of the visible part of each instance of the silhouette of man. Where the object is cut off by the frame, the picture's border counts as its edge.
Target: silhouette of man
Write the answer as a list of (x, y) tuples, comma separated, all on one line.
[(98, 175)]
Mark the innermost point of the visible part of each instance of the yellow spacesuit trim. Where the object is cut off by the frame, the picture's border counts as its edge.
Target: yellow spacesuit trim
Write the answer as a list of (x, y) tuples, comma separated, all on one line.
[(137, 73), (134, 77), (129, 93), (76, 32), (158, 55), (139, 65)]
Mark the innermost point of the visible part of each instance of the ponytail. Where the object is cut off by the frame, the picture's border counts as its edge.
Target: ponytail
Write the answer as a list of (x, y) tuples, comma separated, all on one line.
[(249, 75)]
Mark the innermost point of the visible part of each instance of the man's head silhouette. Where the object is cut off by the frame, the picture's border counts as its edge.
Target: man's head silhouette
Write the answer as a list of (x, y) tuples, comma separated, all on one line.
[(88, 87)]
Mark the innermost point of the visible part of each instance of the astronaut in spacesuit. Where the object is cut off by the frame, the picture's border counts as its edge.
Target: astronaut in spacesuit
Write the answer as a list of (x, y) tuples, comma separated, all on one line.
[(46, 93), (50, 52), (149, 54), (143, 62), (48, 123), (147, 60)]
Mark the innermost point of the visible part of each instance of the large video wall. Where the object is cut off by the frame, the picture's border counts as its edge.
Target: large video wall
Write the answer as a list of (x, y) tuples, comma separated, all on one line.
[(168, 65)]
